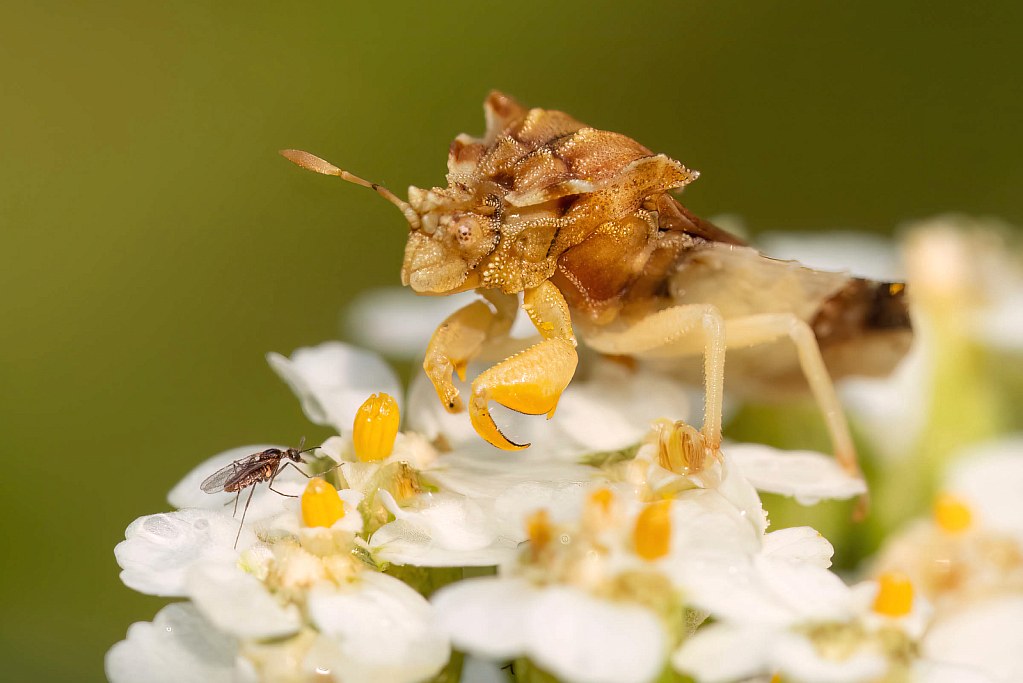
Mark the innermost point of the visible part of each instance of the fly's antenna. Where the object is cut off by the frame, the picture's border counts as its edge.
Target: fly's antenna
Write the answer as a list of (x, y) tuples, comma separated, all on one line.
[(315, 163)]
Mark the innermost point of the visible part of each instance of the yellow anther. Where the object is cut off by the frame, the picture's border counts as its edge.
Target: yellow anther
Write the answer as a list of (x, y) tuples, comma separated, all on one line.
[(776, 678), (895, 597), (376, 426), (538, 527), (602, 498), (598, 512), (321, 506), (951, 514), (652, 535)]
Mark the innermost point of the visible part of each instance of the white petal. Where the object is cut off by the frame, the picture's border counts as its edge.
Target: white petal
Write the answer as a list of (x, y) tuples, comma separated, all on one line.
[(577, 637), (489, 478), (926, 671), (426, 415), (485, 616), (158, 550), (799, 544), (769, 591), (179, 646), (1001, 325), (476, 670), (740, 491), (706, 525), (721, 653), (612, 408), (265, 503), (238, 603), (989, 477), (396, 321), (809, 477), (987, 636), (439, 530), (333, 379), (798, 660), (380, 629)]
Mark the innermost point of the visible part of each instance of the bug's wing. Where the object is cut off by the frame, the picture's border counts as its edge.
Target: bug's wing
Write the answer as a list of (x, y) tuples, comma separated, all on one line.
[(862, 327)]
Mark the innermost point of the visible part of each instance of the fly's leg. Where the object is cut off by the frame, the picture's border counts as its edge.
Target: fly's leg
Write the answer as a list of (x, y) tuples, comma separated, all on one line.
[(299, 470), (460, 338), (666, 328), (244, 512), (760, 329), (529, 382)]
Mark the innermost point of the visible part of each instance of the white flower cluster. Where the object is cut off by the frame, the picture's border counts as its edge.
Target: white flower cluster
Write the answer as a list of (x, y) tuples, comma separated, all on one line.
[(606, 552)]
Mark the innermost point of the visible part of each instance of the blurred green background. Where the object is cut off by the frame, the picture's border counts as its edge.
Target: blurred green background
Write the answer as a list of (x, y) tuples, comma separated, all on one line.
[(155, 246)]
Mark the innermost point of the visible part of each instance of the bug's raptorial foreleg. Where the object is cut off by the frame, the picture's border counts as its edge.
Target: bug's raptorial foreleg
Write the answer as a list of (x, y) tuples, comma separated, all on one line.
[(529, 382), (760, 329), (667, 328), (460, 338)]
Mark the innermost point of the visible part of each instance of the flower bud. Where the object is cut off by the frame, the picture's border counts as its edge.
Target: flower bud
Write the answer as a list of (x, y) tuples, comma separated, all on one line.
[(895, 597), (376, 426), (652, 535), (321, 506)]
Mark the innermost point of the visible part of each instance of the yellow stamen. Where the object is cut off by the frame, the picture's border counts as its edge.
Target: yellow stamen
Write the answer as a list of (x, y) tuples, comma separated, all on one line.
[(602, 498), (776, 678), (895, 597), (321, 506), (538, 527), (376, 426), (951, 514), (652, 535), (597, 514)]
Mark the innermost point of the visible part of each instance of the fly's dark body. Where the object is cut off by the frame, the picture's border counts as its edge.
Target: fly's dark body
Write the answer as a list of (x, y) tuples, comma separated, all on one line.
[(246, 472)]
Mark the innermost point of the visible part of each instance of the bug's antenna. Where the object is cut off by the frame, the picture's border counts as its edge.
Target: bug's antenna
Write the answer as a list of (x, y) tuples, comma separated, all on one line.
[(315, 163)]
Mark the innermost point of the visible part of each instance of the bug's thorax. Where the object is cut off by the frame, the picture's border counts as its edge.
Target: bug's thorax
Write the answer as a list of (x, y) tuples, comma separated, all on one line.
[(536, 185)]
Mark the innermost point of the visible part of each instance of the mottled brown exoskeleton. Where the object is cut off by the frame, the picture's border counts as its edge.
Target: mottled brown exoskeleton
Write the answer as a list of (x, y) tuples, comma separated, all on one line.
[(246, 472), (582, 222)]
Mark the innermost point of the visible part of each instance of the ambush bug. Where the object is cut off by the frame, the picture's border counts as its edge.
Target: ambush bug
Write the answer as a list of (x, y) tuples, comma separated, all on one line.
[(583, 224)]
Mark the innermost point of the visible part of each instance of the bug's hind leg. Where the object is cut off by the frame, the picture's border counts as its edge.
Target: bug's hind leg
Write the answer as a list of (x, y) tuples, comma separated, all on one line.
[(667, 333), (679, 331), (760, 329), (529, 382)]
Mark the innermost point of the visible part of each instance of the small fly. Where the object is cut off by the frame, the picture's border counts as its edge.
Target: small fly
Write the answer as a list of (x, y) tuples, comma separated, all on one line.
[(251, 470)]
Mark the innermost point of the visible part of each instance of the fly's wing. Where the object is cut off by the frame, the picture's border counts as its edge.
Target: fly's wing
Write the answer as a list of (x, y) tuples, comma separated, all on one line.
[(229, 474)]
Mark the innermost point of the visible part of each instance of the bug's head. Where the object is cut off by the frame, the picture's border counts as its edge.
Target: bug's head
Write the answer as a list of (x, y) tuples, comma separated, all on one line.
[(457, 230), (451, 229)]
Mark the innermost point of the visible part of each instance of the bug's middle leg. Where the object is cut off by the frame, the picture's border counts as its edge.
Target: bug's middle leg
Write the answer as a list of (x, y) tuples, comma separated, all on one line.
[(675, 326), (529, 382)]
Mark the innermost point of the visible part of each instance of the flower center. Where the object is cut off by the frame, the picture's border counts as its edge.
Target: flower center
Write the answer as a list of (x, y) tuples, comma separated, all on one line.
[(321, 506), (951, 514), (652, 534), (895, 597), (376, 426), (538, 527), (680, 447)]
